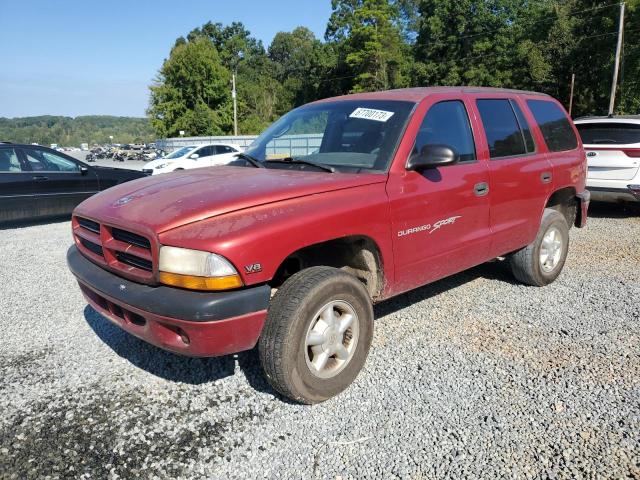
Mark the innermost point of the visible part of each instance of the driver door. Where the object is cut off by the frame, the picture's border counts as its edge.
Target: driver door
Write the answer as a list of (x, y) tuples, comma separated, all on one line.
[(440, 216)]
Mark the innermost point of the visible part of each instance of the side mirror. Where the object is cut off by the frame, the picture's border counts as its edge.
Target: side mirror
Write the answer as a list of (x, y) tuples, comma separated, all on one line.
[(83, 170), (194, 156), (432, 156)]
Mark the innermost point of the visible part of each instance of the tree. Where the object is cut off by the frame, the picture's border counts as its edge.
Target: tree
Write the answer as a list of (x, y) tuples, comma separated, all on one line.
[(191, 92), (370, 36), (301, 64)]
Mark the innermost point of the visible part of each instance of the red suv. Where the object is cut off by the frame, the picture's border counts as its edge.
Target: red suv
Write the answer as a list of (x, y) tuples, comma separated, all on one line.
[(339, 204)]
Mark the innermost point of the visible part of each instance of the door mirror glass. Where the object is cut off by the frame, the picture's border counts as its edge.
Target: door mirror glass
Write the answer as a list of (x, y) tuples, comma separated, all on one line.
[(83, 170), (194, 156), (432, 156)]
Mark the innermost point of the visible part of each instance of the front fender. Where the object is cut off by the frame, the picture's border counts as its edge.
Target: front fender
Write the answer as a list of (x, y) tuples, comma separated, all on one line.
[(268, 234)]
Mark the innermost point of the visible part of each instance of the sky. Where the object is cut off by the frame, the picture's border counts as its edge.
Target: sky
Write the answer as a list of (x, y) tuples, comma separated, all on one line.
[(89, 57)]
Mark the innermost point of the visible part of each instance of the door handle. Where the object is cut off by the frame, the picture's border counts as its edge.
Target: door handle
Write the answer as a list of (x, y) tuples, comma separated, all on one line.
[(481, 189), (545, 177), (40, 178)]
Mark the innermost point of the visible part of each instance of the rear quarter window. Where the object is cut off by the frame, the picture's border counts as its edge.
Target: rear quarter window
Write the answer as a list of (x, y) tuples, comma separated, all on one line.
[(609, 133), (554, 125)]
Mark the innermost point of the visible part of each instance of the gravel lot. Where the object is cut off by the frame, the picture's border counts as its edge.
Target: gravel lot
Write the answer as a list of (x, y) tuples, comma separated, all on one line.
[(473, 376)]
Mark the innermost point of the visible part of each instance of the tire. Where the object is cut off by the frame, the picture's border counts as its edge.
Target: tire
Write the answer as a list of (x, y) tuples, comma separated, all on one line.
[(527, 264), (296, 314)]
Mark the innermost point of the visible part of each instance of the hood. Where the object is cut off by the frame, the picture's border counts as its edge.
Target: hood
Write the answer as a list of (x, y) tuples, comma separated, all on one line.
[(163, 202)]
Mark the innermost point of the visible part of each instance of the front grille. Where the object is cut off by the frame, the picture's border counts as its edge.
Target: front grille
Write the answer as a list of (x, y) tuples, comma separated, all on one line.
[(93, 247), (132, 238), (89, 225), (134, 261), (118, 249)]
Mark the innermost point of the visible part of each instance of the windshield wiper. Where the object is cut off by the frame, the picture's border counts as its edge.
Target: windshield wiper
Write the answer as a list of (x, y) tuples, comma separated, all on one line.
[(321, 166), (252, 160)]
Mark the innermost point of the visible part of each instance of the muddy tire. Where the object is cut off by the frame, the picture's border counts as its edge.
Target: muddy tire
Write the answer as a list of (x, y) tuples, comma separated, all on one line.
[(541, 262), (317, 334)]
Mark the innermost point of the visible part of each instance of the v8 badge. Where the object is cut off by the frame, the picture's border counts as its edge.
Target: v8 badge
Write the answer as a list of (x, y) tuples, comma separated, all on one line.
[(253, 268)]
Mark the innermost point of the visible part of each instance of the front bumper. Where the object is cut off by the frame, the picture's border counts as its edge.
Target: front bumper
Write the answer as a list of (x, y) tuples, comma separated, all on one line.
[(199, 324)]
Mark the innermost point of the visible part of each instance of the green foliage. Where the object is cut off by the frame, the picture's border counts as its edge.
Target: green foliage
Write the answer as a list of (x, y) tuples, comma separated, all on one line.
[(67, 131), (382, 44), (191, 91), (372, 45)]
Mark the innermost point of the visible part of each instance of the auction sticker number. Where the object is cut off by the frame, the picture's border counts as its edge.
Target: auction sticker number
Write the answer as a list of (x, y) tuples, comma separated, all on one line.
[(371, 114)]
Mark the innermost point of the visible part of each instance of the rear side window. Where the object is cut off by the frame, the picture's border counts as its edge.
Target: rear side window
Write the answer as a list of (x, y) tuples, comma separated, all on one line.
[(447, 123), (555, 127), (609, 133), (501, 127)]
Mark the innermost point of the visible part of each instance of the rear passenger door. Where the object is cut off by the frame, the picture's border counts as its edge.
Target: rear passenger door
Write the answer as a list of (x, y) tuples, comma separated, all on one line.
[(17, 187), (440, 215), (520, 175)]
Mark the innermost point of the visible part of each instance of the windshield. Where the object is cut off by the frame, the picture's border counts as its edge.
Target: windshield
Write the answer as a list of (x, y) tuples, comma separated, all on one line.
[(180, 152), (350, 135)]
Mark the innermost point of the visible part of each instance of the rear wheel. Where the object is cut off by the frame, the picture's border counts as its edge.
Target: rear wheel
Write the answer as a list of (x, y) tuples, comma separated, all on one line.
[(541, 262), (317, 334)]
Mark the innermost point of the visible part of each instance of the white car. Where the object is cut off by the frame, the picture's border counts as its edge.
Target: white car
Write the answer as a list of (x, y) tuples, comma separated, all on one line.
[(195, 156), (612, 145)]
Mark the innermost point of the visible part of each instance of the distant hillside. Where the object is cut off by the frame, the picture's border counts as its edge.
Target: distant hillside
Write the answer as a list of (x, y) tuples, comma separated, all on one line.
[(68, 131)]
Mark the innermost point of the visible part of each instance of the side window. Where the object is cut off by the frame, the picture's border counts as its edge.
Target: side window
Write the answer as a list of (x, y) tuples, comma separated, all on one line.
[(224, 149), (205, 152), (43, 161), (447, 123), (501, 127), (524, 126), (555, 127), (9, 160)]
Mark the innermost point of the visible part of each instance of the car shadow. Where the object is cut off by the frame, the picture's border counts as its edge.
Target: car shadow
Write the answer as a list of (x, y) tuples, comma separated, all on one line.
[(613, 210), (195, 371), (497, 270)]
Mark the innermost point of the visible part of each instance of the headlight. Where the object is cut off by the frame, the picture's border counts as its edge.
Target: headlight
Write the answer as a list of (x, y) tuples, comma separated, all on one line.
[(162, 165), (196, 270)]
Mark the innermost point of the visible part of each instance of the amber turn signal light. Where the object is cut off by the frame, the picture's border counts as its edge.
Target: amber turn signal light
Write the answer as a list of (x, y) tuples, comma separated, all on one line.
[(192, 282)]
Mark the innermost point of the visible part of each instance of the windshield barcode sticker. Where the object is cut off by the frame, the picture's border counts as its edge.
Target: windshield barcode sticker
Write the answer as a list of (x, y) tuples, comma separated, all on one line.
[(371, 114)]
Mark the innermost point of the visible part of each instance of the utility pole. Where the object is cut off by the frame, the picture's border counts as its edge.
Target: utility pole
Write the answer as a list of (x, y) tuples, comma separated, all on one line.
[(573, 81), (616, 65), (235, 105)]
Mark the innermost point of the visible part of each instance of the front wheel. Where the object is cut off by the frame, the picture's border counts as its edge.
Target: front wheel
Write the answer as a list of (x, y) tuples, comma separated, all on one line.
[(317, 334), (540, 262)]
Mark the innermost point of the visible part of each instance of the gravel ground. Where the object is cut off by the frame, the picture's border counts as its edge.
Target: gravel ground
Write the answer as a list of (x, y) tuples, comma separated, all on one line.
[(473, 376)]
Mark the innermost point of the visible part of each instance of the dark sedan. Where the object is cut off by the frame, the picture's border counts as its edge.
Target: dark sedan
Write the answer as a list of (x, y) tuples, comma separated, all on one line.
[(38, 182)]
